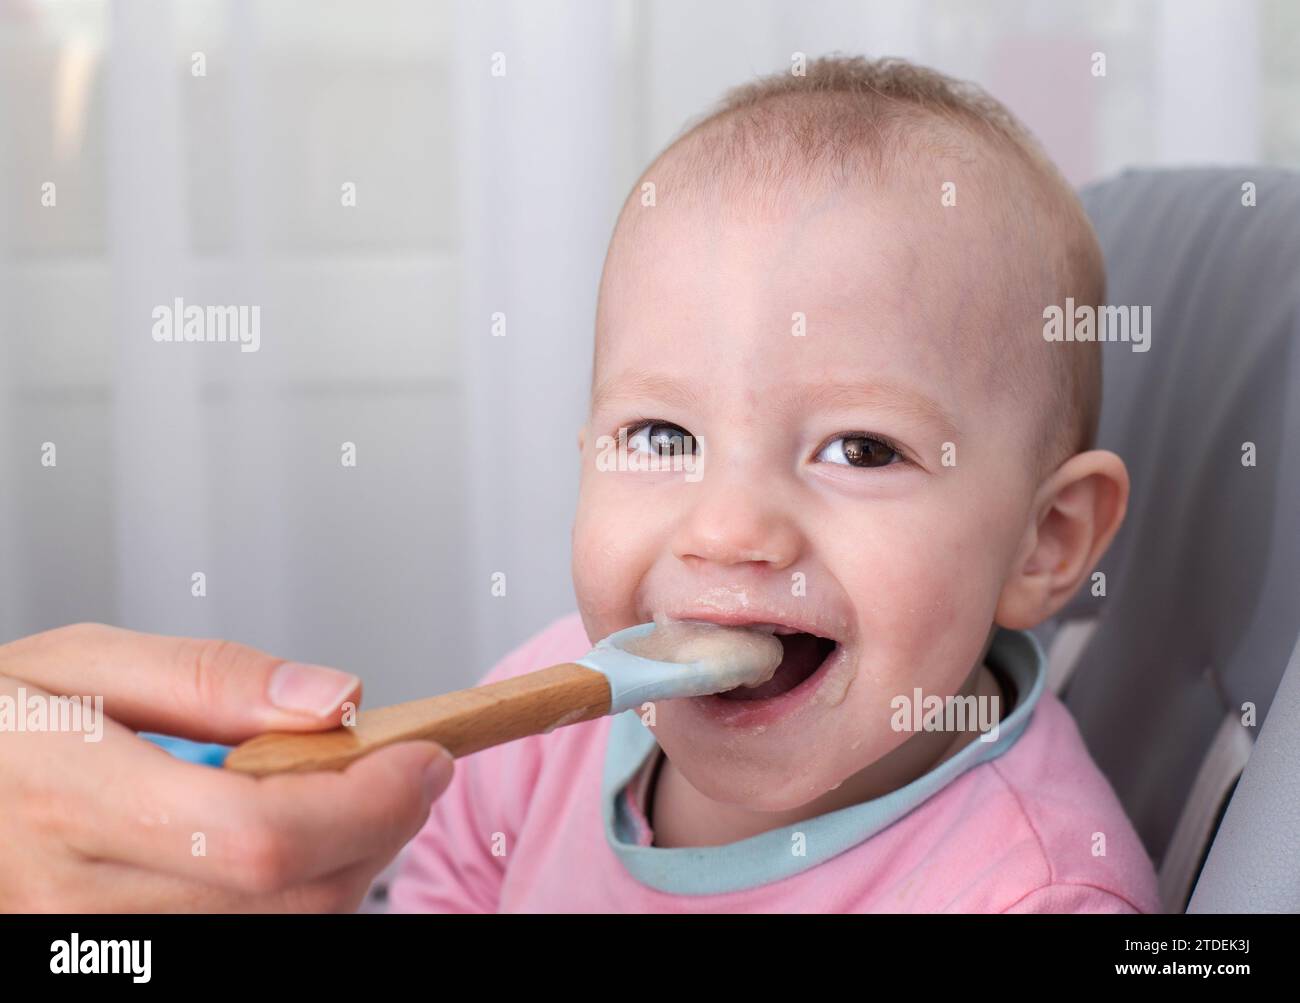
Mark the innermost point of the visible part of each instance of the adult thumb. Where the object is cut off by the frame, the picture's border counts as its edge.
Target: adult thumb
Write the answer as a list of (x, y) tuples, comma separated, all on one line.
[(209, 690)]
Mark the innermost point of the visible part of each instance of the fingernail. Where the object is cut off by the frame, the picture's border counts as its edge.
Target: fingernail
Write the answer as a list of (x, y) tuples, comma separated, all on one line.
[(309, 689), (435, 774)]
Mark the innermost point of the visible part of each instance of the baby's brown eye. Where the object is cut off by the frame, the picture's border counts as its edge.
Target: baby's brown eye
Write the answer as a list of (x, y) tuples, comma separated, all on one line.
[(867, 452), (858, 451)]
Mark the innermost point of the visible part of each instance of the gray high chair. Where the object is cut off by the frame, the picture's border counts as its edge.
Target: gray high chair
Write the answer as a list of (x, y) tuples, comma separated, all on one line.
[(1201, 614)]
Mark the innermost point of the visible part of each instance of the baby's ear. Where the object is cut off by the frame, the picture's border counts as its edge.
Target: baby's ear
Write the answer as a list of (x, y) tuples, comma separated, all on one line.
[(1077, 512)]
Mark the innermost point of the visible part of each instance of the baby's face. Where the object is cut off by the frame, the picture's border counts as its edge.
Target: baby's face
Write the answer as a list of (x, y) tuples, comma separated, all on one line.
[(862, 478)]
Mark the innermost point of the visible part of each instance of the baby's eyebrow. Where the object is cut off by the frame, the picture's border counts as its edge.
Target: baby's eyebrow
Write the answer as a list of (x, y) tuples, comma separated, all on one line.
[(636, 385), (827, 396), (796, 399)]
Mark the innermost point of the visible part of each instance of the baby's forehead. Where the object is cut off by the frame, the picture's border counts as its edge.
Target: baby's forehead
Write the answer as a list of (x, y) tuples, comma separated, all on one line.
[(866, 255), (941, 187)]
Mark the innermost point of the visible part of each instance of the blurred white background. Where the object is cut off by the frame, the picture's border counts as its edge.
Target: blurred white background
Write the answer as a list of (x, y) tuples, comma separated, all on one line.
[(475, 194)]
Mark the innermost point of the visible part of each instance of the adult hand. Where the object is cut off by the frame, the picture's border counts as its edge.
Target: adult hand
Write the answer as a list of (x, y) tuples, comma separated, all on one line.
[(117, 825)]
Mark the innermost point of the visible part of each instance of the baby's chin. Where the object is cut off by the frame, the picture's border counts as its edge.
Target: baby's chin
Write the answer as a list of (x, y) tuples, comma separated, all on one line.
[(780, 768)]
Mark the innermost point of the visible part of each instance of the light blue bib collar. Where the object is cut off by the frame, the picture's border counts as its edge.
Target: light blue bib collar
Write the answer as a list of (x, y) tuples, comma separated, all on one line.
[(768, 857)]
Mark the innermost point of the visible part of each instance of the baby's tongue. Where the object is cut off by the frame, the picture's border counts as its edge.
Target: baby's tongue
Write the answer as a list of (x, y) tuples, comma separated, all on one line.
[(803, 654)]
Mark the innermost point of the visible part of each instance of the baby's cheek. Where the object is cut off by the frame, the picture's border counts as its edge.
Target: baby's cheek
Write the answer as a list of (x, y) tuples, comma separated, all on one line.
[(610, 558), (597, 569), (925, 626)]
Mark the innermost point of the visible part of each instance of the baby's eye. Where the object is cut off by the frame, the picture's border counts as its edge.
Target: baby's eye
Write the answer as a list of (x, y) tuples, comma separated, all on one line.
[(858, 451), (661, 439)]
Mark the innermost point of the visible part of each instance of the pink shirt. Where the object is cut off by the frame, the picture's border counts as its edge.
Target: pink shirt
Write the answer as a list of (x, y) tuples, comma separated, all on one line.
[(556, 823)]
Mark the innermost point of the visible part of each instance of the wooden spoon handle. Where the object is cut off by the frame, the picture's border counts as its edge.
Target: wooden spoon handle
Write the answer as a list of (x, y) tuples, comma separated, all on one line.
[(462, 722)]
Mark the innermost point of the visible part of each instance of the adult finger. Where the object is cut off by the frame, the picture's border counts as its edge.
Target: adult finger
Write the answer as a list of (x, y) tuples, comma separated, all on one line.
[(210, 690), (259, 835)]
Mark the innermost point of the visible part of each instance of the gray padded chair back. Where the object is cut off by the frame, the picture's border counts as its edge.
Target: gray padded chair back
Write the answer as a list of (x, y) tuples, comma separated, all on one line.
[(1202, 607)]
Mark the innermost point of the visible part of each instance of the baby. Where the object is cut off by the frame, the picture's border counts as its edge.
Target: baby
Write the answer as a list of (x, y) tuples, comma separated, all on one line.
[(824, 304)]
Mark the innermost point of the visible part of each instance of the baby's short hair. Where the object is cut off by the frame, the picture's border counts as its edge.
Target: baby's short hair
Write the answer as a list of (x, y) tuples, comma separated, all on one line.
[(849, 117)]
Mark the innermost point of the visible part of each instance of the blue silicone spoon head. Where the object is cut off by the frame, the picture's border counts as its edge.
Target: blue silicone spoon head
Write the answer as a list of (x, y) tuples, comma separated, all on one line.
[(676, 659)]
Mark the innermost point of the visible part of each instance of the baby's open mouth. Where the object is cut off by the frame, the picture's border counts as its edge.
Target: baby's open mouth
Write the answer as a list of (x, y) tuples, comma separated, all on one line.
[(804, 655)]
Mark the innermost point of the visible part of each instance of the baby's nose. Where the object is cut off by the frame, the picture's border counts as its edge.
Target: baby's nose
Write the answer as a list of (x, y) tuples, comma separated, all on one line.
[(735, 521)]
